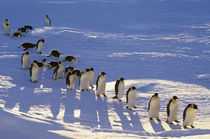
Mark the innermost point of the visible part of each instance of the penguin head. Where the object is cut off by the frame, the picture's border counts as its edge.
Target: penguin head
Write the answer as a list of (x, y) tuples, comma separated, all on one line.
[(44, 60), (6, 20), (59, 62), (194, 106), (87, 70), (46, 15), (34, 61), (42, 40), (133, 88), (122, 79), (156, 94), (103, 73), (27, 53), (91, 69), (175, 97)]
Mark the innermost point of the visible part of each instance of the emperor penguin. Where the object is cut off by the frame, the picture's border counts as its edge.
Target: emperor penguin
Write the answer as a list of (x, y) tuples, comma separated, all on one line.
[(27, 45), (6, 27), (22, 30), (70, 80), (25, 60), (55, 54), (17, 35), (131, 98), (78, 73), (34, 72), (58, 72), (154, 107), (119, 89), (39, 46), (172, 110), (84, 81), (28, 27), (70, 59), (189, 115), (41, 65), (91, 77), (68, 69), (52, 65), (47, 21), (101, 84)]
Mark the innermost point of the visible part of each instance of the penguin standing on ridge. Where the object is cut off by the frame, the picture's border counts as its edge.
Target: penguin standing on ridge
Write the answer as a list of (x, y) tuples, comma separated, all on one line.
[(101, 84), (91, 77), (189, 115), (84, 81), (27, 45), (25, 60), (119, 89), (70, 80), (131, 98), (34, 72), (6, 27), (39, 46), (55, 54), (59, 71), (172, 110), (47, 21), (154, 107)]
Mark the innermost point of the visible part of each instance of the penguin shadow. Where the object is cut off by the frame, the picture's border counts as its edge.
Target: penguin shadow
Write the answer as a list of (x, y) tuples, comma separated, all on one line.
[(157, 126), (135, 121), (102, 109), (147, 88)]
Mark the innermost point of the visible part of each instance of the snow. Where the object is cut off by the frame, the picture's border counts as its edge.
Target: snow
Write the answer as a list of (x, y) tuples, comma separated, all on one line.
[(156, 45)]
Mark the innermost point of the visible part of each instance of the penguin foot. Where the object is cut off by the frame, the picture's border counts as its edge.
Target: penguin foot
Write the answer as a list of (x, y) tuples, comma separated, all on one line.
[(134, 107), (185, 126), (192, 126), (82, 90), (158, 119), (120, 100), (98, 95), (115, 97), (177, 121), (150, 119)]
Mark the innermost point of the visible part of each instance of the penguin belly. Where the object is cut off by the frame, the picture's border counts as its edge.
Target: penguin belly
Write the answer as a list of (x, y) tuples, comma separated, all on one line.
[(40, 47), (6, 29), (26, 62), (101, 86), (121, 88), (58, 74), (154, 109), (190, 117), (72, 82), (131, 100), (35, 74), (84, 82), (173, 112)]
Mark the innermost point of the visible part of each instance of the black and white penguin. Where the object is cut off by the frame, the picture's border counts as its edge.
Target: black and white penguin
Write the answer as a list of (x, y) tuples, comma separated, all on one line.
[(119, 89), (172, 110), (6, 27), (70, 80), (189, 115), (16, 35), (91, 77), (55, 54), (39, 46), (68, 69), (27, 45), (131, 98), (78, 73), (154, 107), (41, 65), (34, 72), (47, 21), (84, 81), (22, 30), (52, 65), (58, 72), (25, 61), (70, 59), (28, 27), (101, 84)]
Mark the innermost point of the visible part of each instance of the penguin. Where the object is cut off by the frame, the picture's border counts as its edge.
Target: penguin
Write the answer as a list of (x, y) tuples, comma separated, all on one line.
[(6, 27), (39, 46), (34, 72), (47, 21), (101, 84), (78, 73), (68, 69), (131, 98), (70, 58), (25, 60), (189, 115), (58, 72), (28, 27), (70, 80), (16, 35), (41, 65), (52, 65), (55, 54), (91, 77), (22, 30), (27, 45), (119, 89), (172, 110), (84, 81), (154, 107)]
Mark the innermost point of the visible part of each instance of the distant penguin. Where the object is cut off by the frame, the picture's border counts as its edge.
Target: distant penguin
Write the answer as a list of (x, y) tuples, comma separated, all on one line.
[(84, 81), (52, 65), (41, 65), (172, 110), (47, 21), (55, 54), (68, 69), (119, 89), (22, 30), (154, 107), (17, 35), (6, 27), (28, 27), (101, 84), (131, 98), (189, 115), (70, 59), (34, 72), (27, 45), (70, 80), (91, 77), (25, 60), (40, 45), (58, 72)]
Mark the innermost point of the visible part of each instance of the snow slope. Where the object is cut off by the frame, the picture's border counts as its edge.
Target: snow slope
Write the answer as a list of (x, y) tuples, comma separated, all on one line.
[(157, 46)]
